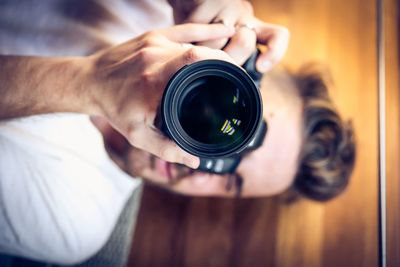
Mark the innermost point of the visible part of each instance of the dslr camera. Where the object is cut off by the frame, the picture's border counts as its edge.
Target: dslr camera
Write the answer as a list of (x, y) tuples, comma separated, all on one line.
[(213, 109)]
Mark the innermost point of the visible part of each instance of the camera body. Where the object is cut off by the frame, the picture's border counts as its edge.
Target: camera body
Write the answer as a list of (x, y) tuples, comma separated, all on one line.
[(213, 109)]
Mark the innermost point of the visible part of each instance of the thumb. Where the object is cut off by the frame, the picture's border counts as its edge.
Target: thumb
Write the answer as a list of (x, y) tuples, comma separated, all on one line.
[(276, 39), (190, 33)]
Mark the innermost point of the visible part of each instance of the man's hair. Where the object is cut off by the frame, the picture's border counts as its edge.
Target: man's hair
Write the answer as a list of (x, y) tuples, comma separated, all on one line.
[(327, 156)]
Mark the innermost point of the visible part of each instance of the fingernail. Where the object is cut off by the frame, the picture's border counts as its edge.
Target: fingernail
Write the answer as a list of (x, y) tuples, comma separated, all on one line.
[(192, 162), (264, 66)]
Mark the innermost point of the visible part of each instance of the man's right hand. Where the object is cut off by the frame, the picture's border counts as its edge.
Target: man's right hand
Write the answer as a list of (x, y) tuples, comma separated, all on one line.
[(127, 82)]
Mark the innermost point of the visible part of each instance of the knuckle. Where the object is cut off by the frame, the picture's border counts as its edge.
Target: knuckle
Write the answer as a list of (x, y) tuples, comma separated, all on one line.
[(222, 55), (248, 6), (248, 44), (132, 136), (144, 54), (274, 59), (151, 38), (283, 31), (151, 34), (191, 55), (218, 44), (147, 78), (166, 153)]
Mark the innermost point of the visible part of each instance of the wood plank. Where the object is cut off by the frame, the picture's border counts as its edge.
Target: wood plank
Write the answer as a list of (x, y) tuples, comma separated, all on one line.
[(392, 21)]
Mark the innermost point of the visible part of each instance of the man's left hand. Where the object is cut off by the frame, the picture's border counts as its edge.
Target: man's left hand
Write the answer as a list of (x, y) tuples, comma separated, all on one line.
[(249, 30)]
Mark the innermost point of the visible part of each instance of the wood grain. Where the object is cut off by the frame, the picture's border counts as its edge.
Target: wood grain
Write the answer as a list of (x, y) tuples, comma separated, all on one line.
[(180, 231)]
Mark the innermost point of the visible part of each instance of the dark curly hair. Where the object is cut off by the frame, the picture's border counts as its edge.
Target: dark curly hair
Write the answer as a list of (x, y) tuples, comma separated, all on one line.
[(327, 156)]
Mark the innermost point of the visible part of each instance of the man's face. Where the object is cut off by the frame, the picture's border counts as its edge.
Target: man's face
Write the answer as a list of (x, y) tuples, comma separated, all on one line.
[(266, 171)]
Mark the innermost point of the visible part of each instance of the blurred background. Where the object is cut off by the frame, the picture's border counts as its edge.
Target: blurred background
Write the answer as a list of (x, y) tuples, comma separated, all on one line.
[(181, 231)]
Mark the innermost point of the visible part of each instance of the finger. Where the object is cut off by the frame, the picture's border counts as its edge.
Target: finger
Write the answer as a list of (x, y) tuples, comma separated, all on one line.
[(276, 39), (242, 45), (154, 142), (191, 55), (228, 16), (215, 44), (189, 33)]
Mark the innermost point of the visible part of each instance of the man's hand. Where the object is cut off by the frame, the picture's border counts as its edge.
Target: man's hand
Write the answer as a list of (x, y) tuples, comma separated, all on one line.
[(249, 30), (128, 82)]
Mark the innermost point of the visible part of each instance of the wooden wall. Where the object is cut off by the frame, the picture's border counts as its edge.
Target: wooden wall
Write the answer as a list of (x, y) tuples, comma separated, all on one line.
[(392, 24), (181, 231)]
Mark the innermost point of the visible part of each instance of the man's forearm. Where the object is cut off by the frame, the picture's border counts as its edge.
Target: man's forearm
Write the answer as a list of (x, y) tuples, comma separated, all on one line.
[(36, 85)]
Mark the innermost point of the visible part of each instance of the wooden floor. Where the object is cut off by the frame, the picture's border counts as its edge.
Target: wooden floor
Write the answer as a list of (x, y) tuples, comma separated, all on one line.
[(180, 231)]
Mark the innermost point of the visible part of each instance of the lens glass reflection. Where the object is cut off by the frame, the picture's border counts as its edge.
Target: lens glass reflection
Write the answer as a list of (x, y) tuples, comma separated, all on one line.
[(213, 111)]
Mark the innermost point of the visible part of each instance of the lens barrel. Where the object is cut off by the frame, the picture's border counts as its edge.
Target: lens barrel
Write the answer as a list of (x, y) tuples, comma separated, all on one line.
[(211, 109)]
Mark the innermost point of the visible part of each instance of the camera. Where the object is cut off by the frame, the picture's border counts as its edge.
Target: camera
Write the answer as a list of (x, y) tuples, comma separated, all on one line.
[(213, 109)]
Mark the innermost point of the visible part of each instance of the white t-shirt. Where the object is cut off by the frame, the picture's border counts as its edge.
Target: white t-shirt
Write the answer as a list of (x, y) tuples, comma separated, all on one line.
[(60, 194)]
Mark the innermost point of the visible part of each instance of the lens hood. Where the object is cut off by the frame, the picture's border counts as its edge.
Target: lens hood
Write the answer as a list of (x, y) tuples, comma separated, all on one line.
[(215, 82)]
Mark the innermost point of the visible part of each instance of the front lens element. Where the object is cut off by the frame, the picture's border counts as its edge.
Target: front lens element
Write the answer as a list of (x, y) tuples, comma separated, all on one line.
[(213, 111)]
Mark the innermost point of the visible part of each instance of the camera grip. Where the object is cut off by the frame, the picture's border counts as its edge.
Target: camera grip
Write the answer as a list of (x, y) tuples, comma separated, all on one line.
[(250, 67), (219, 165)]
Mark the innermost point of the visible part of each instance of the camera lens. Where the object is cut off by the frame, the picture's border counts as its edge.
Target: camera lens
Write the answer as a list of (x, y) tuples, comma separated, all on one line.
[(211, 109)]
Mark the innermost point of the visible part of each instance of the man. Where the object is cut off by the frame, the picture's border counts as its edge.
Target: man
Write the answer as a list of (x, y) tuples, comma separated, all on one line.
[(307, 148), (61, 194)]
